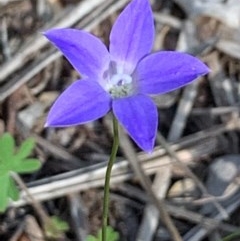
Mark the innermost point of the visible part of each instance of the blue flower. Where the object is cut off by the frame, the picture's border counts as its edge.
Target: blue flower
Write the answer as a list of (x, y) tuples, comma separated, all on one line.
[(122, 78)]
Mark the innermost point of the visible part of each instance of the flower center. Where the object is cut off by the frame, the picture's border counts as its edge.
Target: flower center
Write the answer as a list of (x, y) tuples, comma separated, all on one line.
[(119, 84)]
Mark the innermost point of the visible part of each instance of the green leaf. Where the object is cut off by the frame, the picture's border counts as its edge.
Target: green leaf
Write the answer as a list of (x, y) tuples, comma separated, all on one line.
[(59, 224), (14, 162), (4, 180), (111, 235), (13, 191), (55, 227), (4, 168), (91, 238), (7, 145), (25, 149), (26, 166)]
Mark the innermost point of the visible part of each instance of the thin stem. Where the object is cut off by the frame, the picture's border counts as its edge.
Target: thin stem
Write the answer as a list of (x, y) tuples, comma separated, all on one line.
[(232, 236), (130, 154), (107, 179)]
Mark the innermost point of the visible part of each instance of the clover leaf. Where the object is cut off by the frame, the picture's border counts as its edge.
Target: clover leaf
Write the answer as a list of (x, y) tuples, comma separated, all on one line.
[(16, 160)]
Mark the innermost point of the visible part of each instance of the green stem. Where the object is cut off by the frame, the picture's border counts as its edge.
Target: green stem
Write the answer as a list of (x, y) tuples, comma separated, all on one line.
[(107, 179), (232, 236)]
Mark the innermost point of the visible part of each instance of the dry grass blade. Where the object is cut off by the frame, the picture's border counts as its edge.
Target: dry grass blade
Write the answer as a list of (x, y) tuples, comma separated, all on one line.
[(131, 155)]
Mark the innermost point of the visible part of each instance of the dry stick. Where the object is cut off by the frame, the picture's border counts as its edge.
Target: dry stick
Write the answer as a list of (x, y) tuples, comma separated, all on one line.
[(184, 214), (27, 74), (142, 235), (48, 188), (48, 192), (147, 236), (215, 111), (130, 154), (199, 232), (150, 219), (78, 215), (173, 135), (45, 219), (208, 223), (59, 152), (210, 132), (184, 108), (86, 178), (230, 190), (37, 206), (188, 215), (89, 177), (164, 143), (167, 19), (4, 40), (175, 211)]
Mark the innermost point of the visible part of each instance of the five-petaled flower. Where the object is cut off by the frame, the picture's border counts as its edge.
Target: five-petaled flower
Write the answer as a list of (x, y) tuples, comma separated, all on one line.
[(122, 78)]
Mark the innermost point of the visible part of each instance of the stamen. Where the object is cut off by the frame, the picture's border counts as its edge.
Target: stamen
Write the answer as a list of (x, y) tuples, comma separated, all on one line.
[(121, 79), (118, 84)]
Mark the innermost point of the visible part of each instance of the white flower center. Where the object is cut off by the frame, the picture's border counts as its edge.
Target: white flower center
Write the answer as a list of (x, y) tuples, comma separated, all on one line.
[(121, 79), (119, 84)]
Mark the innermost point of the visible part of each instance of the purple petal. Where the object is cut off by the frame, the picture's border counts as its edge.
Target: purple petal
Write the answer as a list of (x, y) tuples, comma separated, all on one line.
[(132, 34), (138, 115), (81, 102), (168, 70), (87, 54)]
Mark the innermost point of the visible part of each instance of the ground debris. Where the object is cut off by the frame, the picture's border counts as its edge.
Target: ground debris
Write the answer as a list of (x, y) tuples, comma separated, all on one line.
[(198, 139)]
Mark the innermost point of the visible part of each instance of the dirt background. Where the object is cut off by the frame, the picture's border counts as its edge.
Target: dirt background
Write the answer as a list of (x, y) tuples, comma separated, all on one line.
[(194, 169)]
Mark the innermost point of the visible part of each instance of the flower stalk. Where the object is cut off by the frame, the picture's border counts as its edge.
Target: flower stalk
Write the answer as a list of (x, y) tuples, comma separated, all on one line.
[(107, 179), (120, 79)]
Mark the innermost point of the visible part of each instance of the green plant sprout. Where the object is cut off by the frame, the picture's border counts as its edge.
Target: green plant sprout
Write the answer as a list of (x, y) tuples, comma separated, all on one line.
[(55, 228), (14, 160), (111, 235)]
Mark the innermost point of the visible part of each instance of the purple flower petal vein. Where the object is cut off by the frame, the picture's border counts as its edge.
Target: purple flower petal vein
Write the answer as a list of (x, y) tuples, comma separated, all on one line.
[(122, 78)]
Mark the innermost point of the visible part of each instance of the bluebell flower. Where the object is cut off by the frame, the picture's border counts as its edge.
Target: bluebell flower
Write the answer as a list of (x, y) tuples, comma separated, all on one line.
[(121, 78)]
